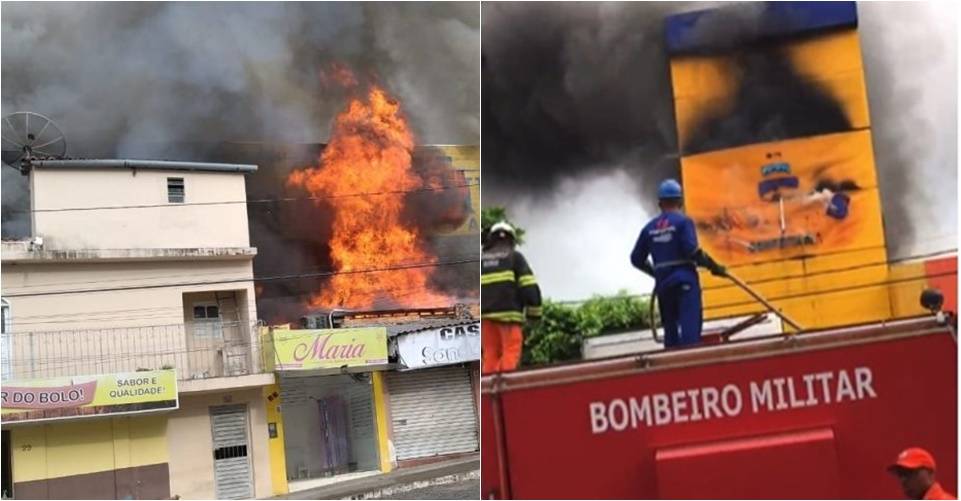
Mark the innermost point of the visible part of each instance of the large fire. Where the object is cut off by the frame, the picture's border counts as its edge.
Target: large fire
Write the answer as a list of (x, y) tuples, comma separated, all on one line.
[(364, 172)]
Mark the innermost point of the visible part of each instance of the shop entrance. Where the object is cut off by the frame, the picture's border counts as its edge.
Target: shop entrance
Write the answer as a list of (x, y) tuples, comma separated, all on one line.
[(328, 425), (7, 472)]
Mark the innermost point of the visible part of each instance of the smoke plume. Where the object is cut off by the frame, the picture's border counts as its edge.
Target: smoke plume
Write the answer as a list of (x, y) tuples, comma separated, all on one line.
[(133, 79), (587, 94)]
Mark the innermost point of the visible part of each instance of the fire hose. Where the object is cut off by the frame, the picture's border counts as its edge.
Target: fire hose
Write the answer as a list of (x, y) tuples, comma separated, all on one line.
[(745, 287)]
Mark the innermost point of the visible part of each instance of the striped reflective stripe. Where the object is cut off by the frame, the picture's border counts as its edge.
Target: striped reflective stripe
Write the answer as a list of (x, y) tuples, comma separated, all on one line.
[(678, 262), (533, 311), (504, 316), (500, 276), (526, 280)]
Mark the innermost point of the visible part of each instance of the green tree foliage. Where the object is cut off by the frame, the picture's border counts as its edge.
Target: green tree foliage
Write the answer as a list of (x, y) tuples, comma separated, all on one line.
[(558, 336), (491, 215)]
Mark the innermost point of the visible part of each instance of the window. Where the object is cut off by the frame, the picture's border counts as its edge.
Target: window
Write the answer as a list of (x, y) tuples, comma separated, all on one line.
[(207, 321), (206, 312), (4, 316), (175, 190), (6, 343)]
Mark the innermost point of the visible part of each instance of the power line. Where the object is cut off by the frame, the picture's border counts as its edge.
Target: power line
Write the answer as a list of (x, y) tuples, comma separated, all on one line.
[(255, 201), (802, 257), (250, 279), (190, 275), (777, 298), (107, 316), (832, 291), (833, 270), (786, 277)]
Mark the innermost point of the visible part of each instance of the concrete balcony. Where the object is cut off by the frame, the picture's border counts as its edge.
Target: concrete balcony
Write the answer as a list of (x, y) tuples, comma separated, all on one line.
[(208, 356), (26, 252)]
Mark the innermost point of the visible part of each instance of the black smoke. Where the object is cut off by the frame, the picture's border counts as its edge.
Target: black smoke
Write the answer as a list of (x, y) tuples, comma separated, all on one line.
[(130, 79), (572, 90), (772, 103), (577, 90)]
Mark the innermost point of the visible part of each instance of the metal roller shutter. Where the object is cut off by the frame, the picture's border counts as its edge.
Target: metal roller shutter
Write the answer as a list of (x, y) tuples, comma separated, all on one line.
[(231, 457), (432, 412)]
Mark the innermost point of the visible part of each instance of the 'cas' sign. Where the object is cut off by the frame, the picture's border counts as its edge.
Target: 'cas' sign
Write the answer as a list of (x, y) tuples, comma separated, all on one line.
[(88, 396), (442, 346), (311, 349)]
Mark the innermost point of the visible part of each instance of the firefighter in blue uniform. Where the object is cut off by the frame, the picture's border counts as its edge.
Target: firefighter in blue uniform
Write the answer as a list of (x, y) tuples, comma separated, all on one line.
[(671, 242)]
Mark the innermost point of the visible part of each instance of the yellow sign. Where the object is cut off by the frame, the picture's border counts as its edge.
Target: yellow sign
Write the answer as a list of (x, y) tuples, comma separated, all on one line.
[(708, 88), (311, 349), (465, 161), (784, 199), (84, 396)]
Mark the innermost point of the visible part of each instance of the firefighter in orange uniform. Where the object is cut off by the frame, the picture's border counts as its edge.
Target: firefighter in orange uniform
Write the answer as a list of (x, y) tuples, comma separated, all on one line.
[(509, 297), (915, 470)]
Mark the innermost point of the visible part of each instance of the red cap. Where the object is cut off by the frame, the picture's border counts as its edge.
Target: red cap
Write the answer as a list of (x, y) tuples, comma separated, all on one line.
[(914, 458)]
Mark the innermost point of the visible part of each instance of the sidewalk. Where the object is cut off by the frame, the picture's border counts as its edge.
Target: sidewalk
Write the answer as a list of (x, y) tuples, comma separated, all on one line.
[(397, 481)]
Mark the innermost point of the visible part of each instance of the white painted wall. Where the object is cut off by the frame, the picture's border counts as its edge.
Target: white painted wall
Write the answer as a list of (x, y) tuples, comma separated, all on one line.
[(167, 226), (121, 330)]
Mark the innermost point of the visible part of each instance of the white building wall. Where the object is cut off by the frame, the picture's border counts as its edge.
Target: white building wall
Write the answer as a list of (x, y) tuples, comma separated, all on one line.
[(169, 225)]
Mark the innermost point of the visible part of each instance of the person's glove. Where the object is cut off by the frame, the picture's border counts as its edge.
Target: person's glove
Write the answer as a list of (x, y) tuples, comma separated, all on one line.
[(701, 258), (718, 270)]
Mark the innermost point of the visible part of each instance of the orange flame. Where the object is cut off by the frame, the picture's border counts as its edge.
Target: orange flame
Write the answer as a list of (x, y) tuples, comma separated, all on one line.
[(369, 153), (339, 74)]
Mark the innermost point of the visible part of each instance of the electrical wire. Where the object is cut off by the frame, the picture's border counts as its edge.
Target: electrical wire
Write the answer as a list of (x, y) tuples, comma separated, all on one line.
[(832, 270), (840, 289), (189, 275), (248, 279), (247, 202)]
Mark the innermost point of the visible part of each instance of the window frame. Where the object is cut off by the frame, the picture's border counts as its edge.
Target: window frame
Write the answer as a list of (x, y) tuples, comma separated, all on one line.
[(172, 197)]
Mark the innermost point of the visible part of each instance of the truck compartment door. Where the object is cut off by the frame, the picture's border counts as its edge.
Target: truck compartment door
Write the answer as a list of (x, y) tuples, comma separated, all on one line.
[(792, 465)]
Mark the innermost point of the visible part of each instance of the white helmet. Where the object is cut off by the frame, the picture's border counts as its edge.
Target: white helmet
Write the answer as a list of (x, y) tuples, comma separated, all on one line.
[(505, 227)]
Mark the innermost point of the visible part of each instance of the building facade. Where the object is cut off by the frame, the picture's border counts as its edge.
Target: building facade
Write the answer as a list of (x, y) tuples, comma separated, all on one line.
[(366, 392), (137, 287)]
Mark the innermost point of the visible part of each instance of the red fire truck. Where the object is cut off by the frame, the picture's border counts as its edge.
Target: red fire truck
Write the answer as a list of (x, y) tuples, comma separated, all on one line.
[(813, 415)]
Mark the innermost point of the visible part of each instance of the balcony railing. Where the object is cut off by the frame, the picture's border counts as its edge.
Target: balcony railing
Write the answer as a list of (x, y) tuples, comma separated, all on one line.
[(195, 350)]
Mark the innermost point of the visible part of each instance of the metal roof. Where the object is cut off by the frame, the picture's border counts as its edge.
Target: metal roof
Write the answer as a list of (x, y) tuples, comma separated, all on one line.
[(139, 164), (424, 325)]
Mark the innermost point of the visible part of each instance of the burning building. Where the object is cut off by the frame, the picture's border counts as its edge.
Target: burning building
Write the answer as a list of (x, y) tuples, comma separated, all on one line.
[(386, 360)]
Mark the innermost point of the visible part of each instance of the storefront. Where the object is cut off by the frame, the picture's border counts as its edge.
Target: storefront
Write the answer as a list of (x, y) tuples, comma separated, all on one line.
[(433, 396), (329, 404), (115, 422)]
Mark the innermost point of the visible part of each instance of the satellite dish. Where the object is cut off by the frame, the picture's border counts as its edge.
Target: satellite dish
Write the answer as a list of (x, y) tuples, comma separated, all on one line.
[(29, 135)]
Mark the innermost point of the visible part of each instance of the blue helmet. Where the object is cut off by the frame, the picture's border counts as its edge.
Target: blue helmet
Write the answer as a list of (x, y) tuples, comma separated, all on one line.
[(669, 189)]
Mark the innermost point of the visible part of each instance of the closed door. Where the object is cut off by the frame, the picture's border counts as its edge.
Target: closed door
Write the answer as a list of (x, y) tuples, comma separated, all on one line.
[(231, 452), (432, 412)]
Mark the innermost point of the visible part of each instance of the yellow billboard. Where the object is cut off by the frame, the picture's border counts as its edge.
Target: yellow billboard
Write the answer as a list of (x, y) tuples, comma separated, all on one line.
[(820, 76), (465, 160), (785, 199), (86, 396), (312, 349)]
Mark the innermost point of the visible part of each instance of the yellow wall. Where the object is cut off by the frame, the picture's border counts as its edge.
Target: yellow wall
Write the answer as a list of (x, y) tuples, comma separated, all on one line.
[(906, 294), (704, 85), (467, 159), (80, 446), (381, 414), (730, 218), (190, 440), (811, 282), (803, 280), (275, 446)]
